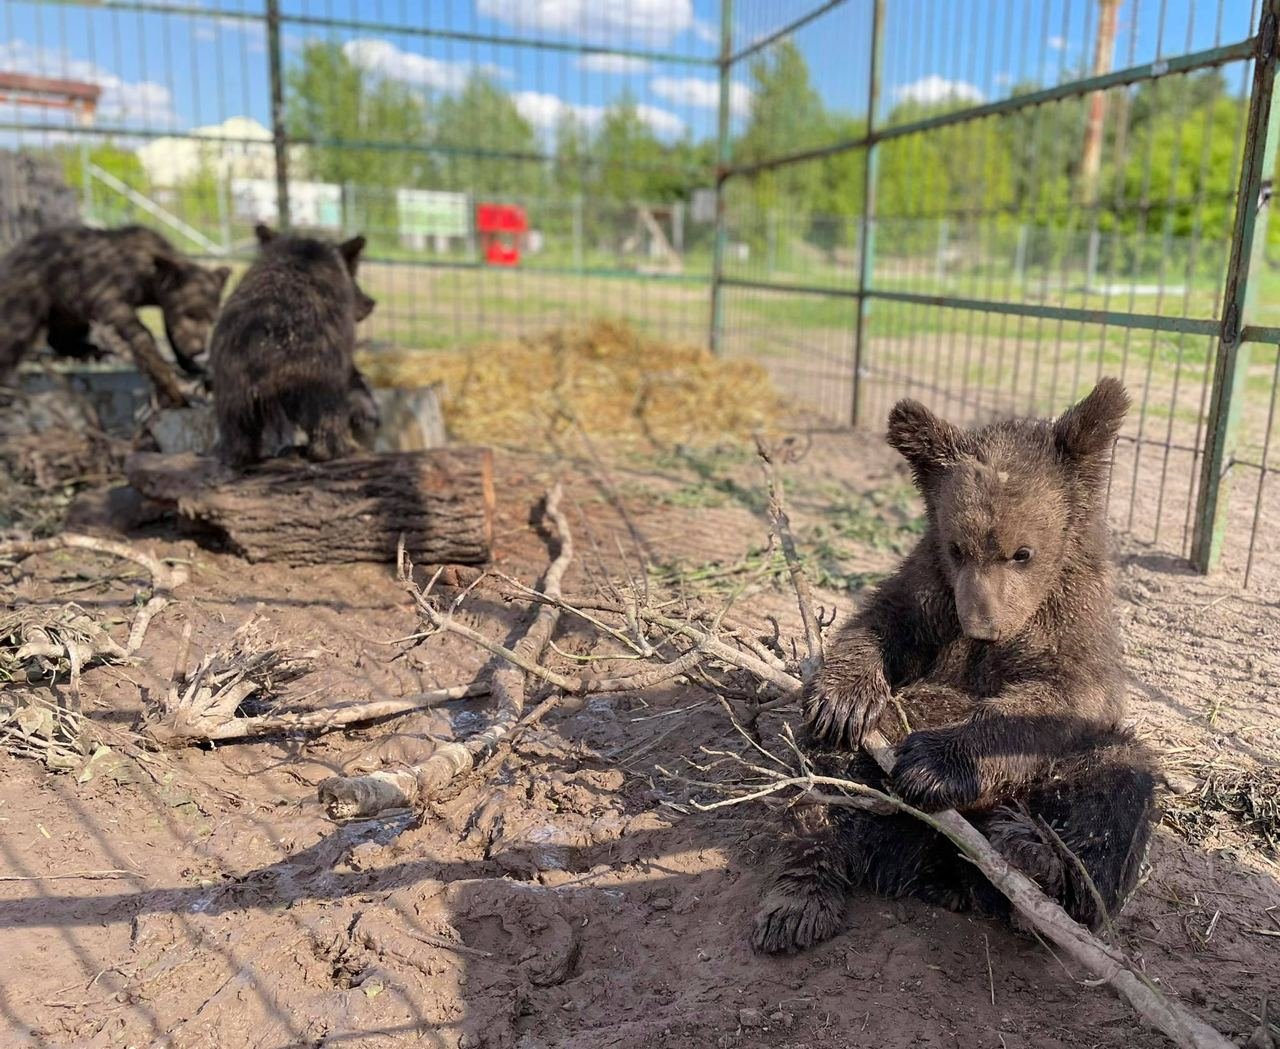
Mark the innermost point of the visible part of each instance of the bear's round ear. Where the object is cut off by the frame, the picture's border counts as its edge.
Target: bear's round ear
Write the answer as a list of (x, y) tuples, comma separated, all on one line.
[(264, 233), (221, 274), (171, 272), (350, 251), (926, 441), (1086, 431)]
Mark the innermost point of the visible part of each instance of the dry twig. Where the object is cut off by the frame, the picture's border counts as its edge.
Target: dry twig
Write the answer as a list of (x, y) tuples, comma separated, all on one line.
[(362, 796), (164, 578)]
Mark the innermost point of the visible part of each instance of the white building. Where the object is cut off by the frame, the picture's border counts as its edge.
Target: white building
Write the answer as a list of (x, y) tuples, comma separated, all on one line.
[(239, 147)]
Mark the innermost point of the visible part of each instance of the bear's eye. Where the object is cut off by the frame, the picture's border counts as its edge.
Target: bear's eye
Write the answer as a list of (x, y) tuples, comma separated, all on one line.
[(1022, 555), (956, 553)]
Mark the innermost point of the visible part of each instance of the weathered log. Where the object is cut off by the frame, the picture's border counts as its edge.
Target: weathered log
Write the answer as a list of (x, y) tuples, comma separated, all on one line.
[(356, 509)]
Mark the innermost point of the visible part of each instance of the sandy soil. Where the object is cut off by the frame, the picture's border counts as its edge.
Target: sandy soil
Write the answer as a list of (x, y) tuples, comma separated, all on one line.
[(572, 898)]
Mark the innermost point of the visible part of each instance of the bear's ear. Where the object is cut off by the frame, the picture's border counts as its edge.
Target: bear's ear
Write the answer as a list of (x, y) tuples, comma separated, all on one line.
[(264, 233), (1087, 430), (220, 275), (927, 442), (350, 251), (171, 272)]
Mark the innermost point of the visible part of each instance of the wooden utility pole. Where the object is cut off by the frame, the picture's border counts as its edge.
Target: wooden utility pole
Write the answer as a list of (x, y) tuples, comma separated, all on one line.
[(1104, 50)]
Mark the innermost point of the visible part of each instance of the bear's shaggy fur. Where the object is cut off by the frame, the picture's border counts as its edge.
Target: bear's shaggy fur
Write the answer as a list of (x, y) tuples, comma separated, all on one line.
[(282, 353), (62, 280), (996, 640)]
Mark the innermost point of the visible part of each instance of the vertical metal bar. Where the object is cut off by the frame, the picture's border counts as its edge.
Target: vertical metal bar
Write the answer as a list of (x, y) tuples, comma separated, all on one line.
[(722, 173), (279, 133), (1248, 243), (866, 253)]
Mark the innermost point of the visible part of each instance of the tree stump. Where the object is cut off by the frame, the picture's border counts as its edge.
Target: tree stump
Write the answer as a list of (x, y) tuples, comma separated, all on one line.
[(298, 512)]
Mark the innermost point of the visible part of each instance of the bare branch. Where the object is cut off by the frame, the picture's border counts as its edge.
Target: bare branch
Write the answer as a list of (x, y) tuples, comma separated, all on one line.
[(799, 580)]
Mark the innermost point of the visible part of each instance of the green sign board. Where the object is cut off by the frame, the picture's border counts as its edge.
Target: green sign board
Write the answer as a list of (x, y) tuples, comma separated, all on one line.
[(431, 214)]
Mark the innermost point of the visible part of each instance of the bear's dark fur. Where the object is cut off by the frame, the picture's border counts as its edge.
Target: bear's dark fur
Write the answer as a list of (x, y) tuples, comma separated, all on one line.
[(282, 352), (997, 640), (64, 279)]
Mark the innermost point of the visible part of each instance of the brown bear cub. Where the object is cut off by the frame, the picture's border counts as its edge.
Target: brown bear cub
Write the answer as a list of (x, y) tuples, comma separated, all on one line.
[(995, 640), (62, 280), (282, 353)]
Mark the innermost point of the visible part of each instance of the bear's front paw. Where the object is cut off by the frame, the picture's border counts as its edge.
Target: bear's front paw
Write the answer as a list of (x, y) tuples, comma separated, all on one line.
[(841, 713), (934, 770)]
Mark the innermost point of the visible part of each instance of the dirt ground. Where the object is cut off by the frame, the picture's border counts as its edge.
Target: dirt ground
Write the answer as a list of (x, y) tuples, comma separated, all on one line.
[(573, 898)]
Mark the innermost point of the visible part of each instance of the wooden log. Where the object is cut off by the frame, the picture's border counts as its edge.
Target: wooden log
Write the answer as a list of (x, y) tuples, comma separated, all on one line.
[(297, 512)]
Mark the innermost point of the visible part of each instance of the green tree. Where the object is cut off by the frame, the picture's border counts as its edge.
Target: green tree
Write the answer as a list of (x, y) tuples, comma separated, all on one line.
[(482, 117), (115, 160), (357, 124), (627, 153), (786, 115)]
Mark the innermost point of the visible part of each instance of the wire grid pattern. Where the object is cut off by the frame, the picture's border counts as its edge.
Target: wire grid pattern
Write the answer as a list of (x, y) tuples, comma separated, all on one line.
[(988, 271), (473, 97), (1004, 272)]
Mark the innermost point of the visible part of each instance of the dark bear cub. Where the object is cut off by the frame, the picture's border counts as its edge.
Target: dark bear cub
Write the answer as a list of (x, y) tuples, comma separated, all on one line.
[(282, 352), (996, 640), (63, 280)]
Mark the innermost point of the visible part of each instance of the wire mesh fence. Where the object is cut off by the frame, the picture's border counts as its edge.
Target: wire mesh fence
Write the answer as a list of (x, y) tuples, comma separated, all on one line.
[(1059, 191), (983, 205)]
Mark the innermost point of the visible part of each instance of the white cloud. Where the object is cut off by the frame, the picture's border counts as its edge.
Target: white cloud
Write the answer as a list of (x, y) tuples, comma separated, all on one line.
[(654, 22), (703, 94), (707, 32), (383, 57), (607, 63), (1057, 43), (661, 122), (254, 31), (933, 89), (545, 111), (133, 102)]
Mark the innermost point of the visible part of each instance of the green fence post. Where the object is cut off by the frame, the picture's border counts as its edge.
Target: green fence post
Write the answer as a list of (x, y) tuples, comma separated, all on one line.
[(1248, 243), (722, 173), (279, 133), (867, 245)]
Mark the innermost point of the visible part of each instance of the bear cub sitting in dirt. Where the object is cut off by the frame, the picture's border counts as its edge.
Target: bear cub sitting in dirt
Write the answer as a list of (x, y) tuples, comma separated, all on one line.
[(995, 640), (283, 348)]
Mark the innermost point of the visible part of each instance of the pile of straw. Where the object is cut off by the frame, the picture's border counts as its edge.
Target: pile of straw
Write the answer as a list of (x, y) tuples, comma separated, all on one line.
[(617, 384)]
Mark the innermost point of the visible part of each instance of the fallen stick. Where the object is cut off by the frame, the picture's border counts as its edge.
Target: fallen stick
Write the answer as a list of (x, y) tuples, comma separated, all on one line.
[(179, 732), (348, 797), (164, 578)]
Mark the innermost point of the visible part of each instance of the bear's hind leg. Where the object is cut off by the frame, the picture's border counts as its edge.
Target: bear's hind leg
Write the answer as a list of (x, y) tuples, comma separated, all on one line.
[(23, 319), (805, 902), (239, 436), (1101, 807), (322, 410)]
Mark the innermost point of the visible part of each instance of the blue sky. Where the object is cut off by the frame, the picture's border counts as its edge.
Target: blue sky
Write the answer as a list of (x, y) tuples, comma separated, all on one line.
[(161, 71)]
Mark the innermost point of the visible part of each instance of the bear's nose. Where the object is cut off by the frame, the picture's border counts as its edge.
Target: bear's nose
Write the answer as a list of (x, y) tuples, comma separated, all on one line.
[(981, 631)]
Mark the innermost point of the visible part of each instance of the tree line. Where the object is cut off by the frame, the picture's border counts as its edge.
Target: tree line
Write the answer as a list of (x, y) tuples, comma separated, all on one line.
[(1170, 154)]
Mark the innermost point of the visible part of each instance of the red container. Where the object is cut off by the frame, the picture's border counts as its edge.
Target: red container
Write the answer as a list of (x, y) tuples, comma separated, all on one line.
[(500, 227)]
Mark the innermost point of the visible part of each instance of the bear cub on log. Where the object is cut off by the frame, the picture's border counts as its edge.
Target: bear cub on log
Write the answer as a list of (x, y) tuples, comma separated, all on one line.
[(996, 639), (282, 352), (63, 279)]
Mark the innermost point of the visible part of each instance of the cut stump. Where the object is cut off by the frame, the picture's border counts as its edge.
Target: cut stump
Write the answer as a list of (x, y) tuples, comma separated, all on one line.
[(297, 512)]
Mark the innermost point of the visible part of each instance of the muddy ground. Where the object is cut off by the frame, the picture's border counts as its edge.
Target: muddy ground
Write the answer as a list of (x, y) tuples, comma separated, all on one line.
[(572, 897)]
